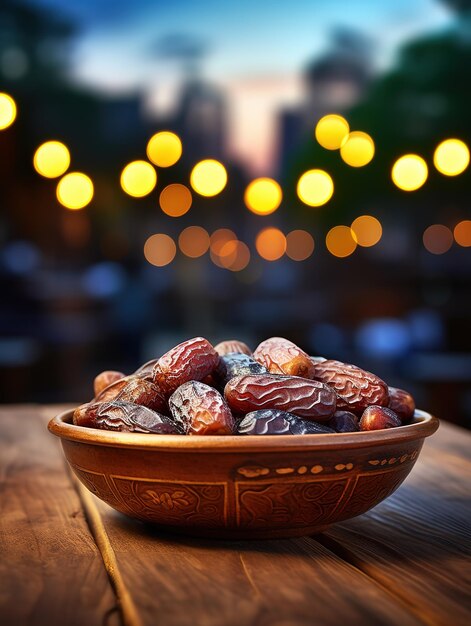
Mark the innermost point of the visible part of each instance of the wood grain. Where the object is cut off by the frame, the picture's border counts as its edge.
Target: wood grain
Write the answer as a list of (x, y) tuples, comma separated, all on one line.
[(417, 543), (50, 568)]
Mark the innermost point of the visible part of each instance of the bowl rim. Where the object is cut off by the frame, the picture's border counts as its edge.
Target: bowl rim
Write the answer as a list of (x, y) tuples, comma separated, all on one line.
[(424, 425)]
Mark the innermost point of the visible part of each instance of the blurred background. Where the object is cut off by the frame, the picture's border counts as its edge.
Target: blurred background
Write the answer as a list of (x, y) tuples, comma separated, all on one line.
[(195, 186)]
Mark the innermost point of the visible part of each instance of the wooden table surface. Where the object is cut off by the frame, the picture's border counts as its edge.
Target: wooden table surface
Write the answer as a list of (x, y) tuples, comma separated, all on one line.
[(68, 559)]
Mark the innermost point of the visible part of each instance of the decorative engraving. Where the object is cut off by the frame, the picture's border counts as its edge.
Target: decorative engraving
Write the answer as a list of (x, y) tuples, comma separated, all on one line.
[(316, 469), (393, 460), (284, 470), (340, 466), (252, 471)]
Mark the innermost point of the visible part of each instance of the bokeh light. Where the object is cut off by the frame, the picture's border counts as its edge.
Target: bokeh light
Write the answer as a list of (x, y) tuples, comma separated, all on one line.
[(218, 248), (315, 187), (7, 111), (138, 178), (164, 149), (340, 241), (208, 177), (409, 172), (194, 241), (160, 249), (175, 200), (437, 239), (462, 233), (299, 245), (357, 149), (331, 130), (263, 196), (51, 159), (75, 190), (270, 244), (367, 230), (451, 157), (234, 256)]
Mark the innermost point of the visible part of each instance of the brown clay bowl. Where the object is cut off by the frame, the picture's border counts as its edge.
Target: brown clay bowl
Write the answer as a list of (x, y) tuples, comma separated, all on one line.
[(247, 486)]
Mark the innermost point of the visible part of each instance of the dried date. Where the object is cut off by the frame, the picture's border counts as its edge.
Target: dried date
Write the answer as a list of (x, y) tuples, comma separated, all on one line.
[(344, 422), (136, 390), (106, 378), (402, 403), (232, 346), (233, 364), (378, 418), (124, 417), (281, 356), (355, 387), (309, 399), (200, 410), (276, 422)]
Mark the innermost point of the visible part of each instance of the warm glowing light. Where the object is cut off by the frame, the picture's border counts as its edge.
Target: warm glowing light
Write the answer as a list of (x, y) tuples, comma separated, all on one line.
[(160, 249), (175, 200), (462, 233), (234, 256), (7, 111), (194, 241), (331, 130), (263, 196), (164, 149), (270, 244), (357, 149), (299, 245), (51, 159), (340, 241), (451, 157), (138, 178), (409, 172), (75, 190), (218, 249), (437, 239), (315, 187), (367, 230), (208, 177)]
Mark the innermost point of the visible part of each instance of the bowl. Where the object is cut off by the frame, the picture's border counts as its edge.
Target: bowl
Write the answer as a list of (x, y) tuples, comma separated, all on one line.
[(243, 487)]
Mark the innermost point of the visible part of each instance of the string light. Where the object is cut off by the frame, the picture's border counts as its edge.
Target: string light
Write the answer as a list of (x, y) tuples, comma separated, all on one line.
[(7, 111), (51, 159), (270, 244), (331, 130), (164, 149), (263, 196), (175, 200), (357, 149), (75, 190), (208, 177), (437, 239), (367, 230), (409, 172), (160, 249), (299, 245), (462, 233), (138, 178), (340, 241), (194, 241), (315, 187), (451, 157)]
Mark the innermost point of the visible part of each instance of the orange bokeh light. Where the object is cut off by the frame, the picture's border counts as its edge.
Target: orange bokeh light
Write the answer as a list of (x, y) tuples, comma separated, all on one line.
[(299, 245), (270, 244), (194, 241), (160, 249), (367, 230), (437, 239), (340, 241), (462, 233), (175, 200)]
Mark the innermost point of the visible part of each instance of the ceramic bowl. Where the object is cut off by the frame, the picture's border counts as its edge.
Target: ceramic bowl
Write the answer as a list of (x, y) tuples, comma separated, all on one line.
[(241, 487)]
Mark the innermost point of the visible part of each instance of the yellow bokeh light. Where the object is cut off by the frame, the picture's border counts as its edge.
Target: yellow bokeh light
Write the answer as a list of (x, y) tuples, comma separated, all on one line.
[(315, 187), (175, 200), (437, 239), (331, 130), (270, 244), (75, 190), (357, 149), (164, 149), (367, 230), (340, 241), (51, 159), (7, 111), (299, 245), (208, 177), (138, 178), (160, 249), (462, 233), (409, 172), (194, 241), (263, 196), (451, 157)]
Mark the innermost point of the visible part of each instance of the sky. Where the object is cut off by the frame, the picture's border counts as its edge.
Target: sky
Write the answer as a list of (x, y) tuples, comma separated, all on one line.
[(255, 49)]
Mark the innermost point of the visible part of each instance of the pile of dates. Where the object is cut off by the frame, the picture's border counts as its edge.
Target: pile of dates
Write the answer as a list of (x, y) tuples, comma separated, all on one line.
[(200, 389)]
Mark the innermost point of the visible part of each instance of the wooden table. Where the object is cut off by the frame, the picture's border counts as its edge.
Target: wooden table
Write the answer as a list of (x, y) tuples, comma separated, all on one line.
[(68, 559)]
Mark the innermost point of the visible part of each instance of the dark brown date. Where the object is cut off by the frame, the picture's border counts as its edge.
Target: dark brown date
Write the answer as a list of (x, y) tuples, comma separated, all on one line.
[(344, 422), (147, 370), (124, 417), (191, 360), (233, 364), (136, 390), (281, 356), (200, 410), (356, 388), (402, 403), (378, 418), (232, 345), (106, 378), (309, 399), (275, 422)]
